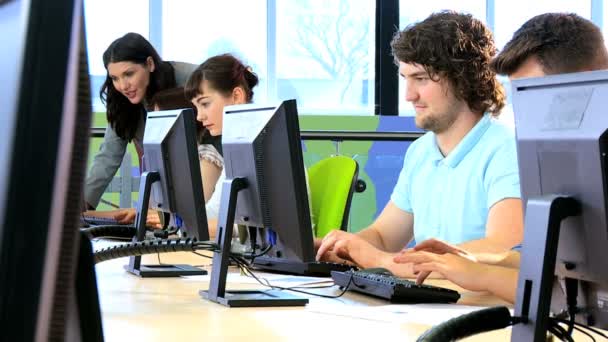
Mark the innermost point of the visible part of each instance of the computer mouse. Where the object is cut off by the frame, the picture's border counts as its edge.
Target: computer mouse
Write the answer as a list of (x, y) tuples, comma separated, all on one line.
[(377, 270)]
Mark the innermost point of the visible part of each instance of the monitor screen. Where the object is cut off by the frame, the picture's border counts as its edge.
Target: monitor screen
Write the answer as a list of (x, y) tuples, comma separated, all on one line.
[(262, 144), (47, 282), (170, 149), (561, 126)]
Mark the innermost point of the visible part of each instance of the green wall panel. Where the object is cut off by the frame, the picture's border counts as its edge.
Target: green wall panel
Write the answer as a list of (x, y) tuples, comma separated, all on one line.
[(363, 207)]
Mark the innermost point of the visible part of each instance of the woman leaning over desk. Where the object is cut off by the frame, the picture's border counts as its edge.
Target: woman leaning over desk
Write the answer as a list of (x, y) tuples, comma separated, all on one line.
[(135, 73)]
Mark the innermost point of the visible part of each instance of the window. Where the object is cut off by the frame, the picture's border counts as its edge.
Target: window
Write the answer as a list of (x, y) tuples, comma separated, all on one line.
[(325, 55), (411, 11), (105, 21), (193, 31), (320, 52), (510, 16)]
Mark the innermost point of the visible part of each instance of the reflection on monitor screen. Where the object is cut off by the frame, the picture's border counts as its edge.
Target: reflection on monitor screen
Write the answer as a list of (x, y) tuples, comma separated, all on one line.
[(562, 125)]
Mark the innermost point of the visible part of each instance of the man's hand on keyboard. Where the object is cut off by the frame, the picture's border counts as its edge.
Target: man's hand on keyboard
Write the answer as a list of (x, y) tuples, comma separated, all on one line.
[(342, 247), (441, 247), (327, 250), (437, 247), (462, 271)]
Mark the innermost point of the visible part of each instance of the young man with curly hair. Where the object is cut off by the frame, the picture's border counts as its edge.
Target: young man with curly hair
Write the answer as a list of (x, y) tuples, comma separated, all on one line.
[(460, 180), (547, 44)]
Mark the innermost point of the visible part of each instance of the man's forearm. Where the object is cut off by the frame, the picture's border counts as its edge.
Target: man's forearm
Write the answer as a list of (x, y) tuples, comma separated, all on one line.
[(506, 259), (484, 245), (372, 236), (501, 282)]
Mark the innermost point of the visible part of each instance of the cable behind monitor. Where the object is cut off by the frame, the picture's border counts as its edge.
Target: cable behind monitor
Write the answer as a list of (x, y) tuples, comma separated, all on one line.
[(153, 247)]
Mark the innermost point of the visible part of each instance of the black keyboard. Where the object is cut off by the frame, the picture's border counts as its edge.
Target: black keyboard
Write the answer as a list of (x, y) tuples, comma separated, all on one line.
[(86, 220), (315, 268), (392, 288)]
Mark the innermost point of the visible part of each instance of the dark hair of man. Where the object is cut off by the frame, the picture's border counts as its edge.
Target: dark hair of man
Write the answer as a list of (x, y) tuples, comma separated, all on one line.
[(562, 43), (175, 98), (123, 115), (458, 48), (223, 73), (167, 99)]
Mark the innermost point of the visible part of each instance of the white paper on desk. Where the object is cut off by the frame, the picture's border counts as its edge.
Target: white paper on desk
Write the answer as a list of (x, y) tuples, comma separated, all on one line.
[(281, 280), (426, 314)]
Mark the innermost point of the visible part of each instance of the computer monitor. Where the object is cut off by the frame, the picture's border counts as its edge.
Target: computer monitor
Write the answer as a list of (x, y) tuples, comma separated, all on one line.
[(561, 126), (170, 149), (262, 144), (265, 188), (171, 183), (47, 280)]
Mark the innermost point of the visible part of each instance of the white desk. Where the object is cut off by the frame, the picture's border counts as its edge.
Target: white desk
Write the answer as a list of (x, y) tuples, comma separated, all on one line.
[(170, 309)]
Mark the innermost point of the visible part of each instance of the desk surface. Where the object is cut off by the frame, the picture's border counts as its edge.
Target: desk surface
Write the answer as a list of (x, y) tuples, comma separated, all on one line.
[(170, 309)]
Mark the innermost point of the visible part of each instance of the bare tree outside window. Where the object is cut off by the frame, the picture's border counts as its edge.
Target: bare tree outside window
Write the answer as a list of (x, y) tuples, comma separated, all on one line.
[(336, 37)]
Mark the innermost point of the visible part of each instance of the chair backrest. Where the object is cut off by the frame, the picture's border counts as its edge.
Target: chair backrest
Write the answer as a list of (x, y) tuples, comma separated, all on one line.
[(332, 184)]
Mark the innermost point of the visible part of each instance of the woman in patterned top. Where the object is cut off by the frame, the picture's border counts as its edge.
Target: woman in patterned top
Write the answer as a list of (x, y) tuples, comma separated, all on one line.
[(220, 81)]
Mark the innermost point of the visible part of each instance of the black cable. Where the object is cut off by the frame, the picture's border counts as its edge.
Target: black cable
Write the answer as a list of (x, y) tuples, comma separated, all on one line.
[(585, 333), (571, 294), (247, 270), (559, 331), (202, 255), (152, 247), (116, 231), (584, 327), (469, 324), (555, 333), (95, 232), (253, 242), (262, 253)]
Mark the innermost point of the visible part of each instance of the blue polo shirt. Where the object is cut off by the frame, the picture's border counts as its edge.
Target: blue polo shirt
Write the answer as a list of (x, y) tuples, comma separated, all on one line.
[(450, 196)]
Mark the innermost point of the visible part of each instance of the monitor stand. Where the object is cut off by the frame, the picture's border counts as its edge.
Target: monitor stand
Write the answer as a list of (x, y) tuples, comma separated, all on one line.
[(217, 287), (153, 271), (541, 235)]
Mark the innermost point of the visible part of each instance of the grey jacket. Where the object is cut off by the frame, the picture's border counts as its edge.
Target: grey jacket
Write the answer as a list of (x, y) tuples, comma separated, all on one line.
[(112, 150)]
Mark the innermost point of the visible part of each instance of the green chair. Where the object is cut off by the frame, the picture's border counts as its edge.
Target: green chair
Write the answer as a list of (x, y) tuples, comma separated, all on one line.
[(332, 183)]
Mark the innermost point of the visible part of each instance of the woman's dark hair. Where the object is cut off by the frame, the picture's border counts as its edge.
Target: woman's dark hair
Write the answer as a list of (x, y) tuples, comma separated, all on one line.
[(562, 42), (224, 73), (456, 47), (122, 115)]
